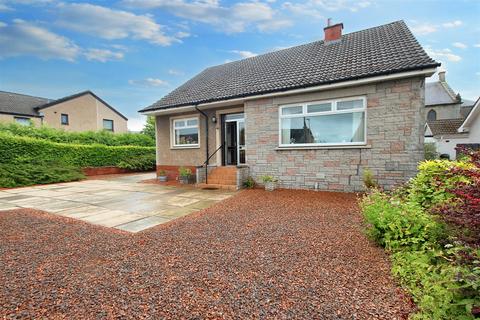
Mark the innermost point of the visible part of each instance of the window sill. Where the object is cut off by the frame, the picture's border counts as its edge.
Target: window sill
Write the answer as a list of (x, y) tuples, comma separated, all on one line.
[(323, 147), (184, 148)]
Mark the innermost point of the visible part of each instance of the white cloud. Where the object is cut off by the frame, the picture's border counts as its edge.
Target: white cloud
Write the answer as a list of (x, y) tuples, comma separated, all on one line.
[(136, 124), (423, 29), (111, 24), (23, 38), (460, 45), (477, 45), (274, 25), (102, 55), (452, 24), (442, 54), (174, 72), (149, 82), (243, 53), (230, 19), (303, 9)]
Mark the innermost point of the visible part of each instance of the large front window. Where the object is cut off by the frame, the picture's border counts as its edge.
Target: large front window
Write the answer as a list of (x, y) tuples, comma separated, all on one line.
[(324, 123), (185, 132)]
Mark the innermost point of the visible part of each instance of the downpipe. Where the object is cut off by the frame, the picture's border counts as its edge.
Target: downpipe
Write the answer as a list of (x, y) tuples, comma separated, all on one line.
[(206, 142)]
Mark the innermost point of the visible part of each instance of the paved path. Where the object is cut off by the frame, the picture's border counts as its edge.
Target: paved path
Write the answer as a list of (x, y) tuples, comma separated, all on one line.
[(120, 202)]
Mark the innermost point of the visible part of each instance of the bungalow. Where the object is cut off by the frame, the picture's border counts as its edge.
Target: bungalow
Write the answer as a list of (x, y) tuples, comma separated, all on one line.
[(314, 116), (84, 111)]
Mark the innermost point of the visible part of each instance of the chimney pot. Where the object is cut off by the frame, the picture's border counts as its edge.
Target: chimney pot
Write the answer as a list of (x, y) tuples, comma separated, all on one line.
[(441, 76), (333, 32)]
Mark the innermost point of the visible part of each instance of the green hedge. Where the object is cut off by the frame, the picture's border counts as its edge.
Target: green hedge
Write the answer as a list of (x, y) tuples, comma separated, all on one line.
[(89, 137), (16, 150)]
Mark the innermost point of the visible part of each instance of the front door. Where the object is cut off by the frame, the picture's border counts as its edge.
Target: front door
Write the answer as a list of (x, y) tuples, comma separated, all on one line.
[(234, 129)]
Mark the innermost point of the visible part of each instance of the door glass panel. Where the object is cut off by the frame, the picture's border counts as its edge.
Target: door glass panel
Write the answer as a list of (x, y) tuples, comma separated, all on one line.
[(231, 143)]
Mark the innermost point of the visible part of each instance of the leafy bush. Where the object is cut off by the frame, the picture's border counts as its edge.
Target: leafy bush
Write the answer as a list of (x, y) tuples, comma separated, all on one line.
[(440, 268), (268, 178), (17, 150), (430, 151), (25, 174), (464, 212), (432, 184), (441, 289), (184, 172), (89, 137), (368, 179), (396, 224), (142, 163), (249, 183)]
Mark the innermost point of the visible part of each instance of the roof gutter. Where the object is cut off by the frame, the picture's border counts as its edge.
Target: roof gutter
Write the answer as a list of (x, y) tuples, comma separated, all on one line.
[(423, 72)]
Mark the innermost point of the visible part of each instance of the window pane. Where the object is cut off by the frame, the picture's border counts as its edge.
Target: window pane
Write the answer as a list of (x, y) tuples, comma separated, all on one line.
[(108, 125), (192, 122), (64, 118), (292, 110), (186, 136), (335, 128), (350, 104), (23, 121), (179, 123), (322, 107)]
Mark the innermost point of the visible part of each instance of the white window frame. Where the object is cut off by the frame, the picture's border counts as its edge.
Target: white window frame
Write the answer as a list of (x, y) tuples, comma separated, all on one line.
[(173, 135), (333, 111)]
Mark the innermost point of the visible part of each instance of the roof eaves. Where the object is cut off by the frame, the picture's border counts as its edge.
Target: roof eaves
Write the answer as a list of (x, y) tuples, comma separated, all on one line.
[(152, 108)]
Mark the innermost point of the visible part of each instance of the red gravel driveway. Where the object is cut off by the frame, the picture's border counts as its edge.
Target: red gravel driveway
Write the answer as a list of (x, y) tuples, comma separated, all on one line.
[(286, 254)]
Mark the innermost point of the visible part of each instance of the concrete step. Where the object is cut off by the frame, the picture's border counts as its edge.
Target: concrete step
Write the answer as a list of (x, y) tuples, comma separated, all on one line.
[(216, 186)]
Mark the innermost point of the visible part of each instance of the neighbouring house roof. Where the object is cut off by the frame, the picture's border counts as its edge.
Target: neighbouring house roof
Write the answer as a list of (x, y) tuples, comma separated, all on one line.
[(472, 116), (445, 126), (20, 104), (74, 96), (377, 51), (438, 92)]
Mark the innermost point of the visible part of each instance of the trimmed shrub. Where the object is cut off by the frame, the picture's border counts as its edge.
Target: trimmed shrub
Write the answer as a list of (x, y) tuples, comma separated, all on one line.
[(26, 174), (89, 137), (17, 150)]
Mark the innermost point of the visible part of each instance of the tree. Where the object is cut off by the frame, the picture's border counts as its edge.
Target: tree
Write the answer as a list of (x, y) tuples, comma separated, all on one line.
[(149, 128)]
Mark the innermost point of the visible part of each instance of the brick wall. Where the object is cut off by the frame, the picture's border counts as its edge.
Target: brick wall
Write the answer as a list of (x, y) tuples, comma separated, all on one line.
[(395, 120)]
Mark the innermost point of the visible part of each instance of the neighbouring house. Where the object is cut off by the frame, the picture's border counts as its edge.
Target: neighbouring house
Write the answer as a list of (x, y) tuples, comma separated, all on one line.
[(313, 116), (84, 111), (448, 134), (441, 101), (446, 113)]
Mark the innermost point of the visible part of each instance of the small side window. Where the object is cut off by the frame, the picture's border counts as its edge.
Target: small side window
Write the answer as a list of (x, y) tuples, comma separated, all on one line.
[(432, 115), (108, 125), (23, 121), (64, 119)]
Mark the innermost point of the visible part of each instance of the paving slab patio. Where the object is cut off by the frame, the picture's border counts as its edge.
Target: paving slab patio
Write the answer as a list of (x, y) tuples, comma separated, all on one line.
[(120, 202)]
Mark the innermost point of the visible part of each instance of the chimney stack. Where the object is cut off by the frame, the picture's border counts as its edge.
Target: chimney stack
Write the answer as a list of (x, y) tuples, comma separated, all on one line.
[(441, 76), (333, 32)]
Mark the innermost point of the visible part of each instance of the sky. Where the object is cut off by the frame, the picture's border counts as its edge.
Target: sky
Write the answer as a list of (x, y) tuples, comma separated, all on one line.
[(133, 52)]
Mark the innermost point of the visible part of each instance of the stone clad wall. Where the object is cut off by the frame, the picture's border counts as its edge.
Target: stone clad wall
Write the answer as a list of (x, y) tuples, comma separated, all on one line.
[(395, 120)]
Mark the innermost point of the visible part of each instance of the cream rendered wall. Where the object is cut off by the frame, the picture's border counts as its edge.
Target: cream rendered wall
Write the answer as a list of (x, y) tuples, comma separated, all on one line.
[(11, 118), (85, 113), (82, 114), (104, 112)]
